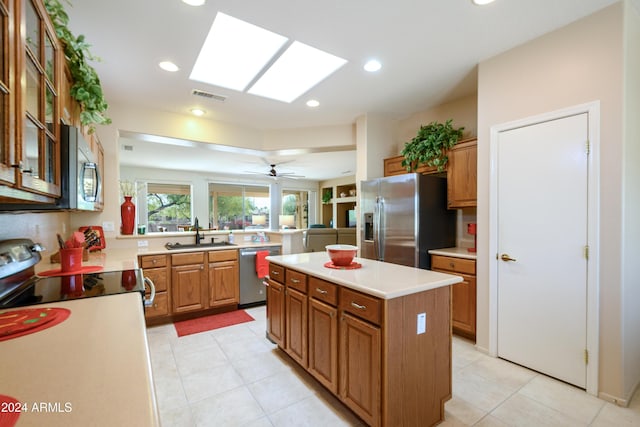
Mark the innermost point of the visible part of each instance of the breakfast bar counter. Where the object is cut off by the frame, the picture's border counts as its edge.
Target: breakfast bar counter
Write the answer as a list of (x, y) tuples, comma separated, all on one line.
[(376, 335)]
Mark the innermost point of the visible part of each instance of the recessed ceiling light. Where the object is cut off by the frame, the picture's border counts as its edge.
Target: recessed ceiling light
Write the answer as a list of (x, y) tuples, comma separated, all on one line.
[(312, 103), (197, 112), (296, 71), (194, 2), (169, 66), (372, 65), (234, 53), (482, 2)]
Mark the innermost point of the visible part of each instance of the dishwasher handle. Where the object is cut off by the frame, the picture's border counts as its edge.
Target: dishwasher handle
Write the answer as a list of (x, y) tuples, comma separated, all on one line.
[(152, 288)]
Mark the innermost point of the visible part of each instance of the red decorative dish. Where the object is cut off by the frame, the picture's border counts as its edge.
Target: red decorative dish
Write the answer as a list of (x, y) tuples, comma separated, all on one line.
[(11, 409), (351, 266), (17, 323)]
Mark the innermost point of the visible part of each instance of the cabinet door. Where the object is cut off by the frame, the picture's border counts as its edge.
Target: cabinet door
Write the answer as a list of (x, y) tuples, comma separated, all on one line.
[(223, 283), (38, 127), (463, 307), (360, 354), (462, 180), (160, 305), (275, 312), (296, 326), (7, 93), (323, 344), (188, 288)]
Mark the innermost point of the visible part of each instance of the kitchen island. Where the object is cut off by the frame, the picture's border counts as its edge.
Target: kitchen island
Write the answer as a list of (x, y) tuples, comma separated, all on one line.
[(378, 337)]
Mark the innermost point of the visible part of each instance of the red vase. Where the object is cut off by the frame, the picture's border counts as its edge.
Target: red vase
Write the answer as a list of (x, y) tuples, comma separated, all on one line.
[(127, 216)]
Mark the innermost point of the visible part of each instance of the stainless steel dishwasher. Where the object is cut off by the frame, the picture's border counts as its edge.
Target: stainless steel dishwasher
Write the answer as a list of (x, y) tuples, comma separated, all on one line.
[(252, 291)]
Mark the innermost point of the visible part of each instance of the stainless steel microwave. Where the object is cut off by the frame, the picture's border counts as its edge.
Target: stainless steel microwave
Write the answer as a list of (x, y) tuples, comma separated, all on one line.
[(81, 180)]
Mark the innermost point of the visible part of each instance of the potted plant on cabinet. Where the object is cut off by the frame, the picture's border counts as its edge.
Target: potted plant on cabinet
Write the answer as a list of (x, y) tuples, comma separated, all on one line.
[(429, 146)]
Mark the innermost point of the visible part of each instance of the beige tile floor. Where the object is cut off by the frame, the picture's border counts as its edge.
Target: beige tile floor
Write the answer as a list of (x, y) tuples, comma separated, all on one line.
[(235, 377)]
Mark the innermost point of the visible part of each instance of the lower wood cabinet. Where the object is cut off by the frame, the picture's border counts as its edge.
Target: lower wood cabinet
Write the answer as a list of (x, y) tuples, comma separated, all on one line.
[(156, 268), (323, 333), (463, 295), (275, 312), (224, 282), (188, 282), (363, 349), (360, 374), (296, 326)]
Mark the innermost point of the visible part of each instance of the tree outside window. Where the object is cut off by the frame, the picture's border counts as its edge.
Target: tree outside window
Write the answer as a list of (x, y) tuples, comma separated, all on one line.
[(168, 206), (235, 207)]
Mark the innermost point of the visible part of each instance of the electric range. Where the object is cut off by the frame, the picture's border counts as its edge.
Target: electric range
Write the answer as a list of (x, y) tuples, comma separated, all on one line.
[(20, 286)]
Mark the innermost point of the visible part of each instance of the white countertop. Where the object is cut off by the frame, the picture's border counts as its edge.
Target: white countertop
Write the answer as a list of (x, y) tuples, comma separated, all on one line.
[(381, 279), (454, 252), (95, 364)]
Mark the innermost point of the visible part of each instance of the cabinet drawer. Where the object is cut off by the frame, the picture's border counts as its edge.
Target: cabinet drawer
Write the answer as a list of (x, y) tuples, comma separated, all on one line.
[(323, 291), (296, 280), (226, 255), (151, 261), (187, 258), (364, 306), (458, 265), (160, 306), (159, 277), (276, 273)]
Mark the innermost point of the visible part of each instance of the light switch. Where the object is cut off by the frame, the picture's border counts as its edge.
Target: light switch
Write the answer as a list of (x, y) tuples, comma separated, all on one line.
[(422, 323)]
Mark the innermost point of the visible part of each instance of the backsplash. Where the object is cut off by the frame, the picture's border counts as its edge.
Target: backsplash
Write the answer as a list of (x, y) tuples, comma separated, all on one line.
[(39, 227)]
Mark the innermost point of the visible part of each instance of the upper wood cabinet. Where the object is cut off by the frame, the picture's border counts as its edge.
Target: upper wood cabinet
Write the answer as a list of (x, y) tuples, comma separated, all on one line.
[(31, 69), (462, 175), (461, 170), (7, 93)]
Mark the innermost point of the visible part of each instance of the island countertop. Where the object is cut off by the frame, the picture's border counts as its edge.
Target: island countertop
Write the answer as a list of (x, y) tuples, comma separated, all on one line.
[(380, 279)]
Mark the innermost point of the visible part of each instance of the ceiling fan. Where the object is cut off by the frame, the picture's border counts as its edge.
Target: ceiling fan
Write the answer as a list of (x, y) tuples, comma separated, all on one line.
[(272, 173)]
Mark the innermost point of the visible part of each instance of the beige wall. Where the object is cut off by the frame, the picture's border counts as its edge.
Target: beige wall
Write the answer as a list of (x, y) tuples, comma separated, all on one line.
[(463, 111), (39, 227), (631, 196), (579, 63)]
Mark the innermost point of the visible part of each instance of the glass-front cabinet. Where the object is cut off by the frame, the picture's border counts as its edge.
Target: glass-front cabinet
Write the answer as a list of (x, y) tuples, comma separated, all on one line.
[(29, 107), (38, 103), (7, 94)]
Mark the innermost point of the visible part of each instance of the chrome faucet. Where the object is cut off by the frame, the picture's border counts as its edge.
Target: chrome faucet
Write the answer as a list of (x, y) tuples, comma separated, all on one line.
[(199, 236)]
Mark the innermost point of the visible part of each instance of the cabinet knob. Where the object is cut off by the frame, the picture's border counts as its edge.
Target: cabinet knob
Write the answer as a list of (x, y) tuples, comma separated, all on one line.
[(154, 261), (452, 264), (295, 281), (321, 291)]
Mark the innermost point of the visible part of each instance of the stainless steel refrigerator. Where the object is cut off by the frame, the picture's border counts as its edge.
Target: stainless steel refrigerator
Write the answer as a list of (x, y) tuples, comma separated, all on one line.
[(405, 216)]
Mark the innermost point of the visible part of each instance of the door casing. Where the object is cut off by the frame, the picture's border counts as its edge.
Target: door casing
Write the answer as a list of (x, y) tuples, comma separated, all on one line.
[(593, 286)]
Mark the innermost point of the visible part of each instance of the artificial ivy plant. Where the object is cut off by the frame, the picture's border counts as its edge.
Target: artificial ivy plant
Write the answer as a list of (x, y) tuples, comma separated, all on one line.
[(429, 146), (85, 88)]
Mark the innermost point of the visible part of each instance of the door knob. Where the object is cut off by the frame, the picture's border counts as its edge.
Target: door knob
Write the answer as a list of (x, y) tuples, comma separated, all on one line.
[(506, 257)]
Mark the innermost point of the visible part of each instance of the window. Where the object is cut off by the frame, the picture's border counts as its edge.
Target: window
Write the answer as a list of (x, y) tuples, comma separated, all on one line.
[(296, 203), (233, 207), (168, 206)]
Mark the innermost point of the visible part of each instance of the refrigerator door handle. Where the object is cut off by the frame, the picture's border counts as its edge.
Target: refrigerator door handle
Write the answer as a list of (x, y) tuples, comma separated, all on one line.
[(376, 229), (381, 228)]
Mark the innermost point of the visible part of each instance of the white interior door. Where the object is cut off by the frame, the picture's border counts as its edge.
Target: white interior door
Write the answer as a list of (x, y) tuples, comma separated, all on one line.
[(542, 188)]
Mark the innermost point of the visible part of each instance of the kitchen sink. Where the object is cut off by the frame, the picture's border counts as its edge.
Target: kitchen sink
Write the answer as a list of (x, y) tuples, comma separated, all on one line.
[(174, 246)]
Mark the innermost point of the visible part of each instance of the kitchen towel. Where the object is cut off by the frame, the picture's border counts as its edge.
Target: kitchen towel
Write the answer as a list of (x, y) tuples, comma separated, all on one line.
[(262, 265)]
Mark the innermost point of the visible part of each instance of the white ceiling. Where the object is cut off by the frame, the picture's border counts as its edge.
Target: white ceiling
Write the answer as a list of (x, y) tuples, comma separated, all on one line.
[(429, 50)]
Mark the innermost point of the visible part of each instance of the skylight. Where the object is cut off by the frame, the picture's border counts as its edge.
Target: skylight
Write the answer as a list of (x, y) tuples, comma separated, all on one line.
[(298, 69), (234, 52)]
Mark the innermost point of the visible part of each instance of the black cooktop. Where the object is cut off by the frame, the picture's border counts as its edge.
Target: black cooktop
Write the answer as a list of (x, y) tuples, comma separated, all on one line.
[(40, 290)]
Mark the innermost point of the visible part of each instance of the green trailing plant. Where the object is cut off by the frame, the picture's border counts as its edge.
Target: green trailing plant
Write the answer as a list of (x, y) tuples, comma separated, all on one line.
[(430, 145), (86, 87), (327, 194)]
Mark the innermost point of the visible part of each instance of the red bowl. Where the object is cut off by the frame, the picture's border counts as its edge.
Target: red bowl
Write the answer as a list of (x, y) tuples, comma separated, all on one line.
[(341, 255)]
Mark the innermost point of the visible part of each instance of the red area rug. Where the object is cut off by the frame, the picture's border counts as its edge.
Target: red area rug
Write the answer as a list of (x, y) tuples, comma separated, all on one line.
[(209, 323)]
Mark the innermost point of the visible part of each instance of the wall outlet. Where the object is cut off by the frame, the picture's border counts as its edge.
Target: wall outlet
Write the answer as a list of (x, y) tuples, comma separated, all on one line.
[(422, 323), (108, 226), (143, 243)]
